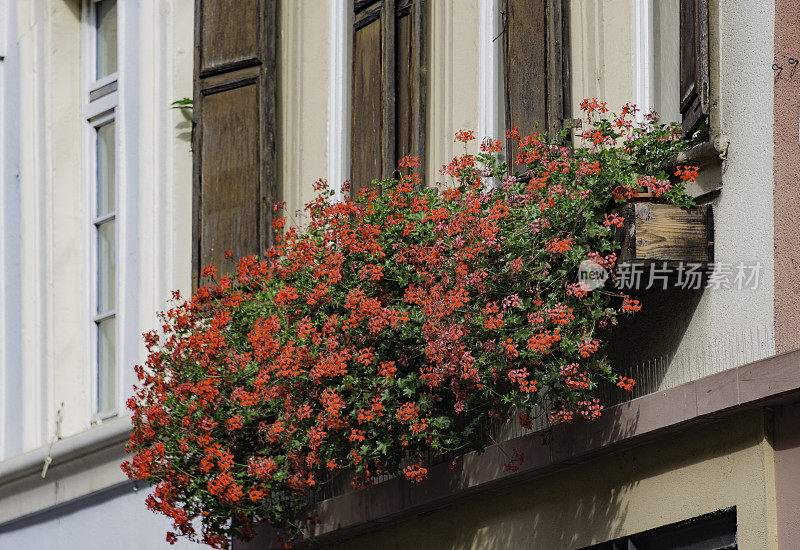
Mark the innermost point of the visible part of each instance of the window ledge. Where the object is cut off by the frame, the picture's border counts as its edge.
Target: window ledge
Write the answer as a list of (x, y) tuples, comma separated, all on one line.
[(703, 154), (111, 432)]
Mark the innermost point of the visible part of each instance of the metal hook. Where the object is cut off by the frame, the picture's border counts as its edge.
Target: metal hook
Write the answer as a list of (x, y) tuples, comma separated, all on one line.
[(503, 18), (776, 67)]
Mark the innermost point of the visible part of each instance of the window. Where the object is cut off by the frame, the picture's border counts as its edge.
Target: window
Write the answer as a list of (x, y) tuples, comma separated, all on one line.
[(671, 61), (656, 58), (716, 531), (388, 87), (100, 108)]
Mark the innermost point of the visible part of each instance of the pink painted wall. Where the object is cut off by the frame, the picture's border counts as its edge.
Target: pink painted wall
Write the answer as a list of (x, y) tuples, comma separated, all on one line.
[(787, 260), (787, 171)]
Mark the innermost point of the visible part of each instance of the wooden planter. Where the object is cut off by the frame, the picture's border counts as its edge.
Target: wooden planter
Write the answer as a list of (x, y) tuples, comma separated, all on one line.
[(656, 233)]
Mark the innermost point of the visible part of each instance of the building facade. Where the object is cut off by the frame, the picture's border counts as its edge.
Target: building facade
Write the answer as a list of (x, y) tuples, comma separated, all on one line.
[(96, 168), (111, 200)]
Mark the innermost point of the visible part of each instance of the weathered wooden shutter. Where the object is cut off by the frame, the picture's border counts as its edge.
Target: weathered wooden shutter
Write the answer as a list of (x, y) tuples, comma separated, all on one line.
[(234, 134), (694, 63), (535, 45), (389, 79)]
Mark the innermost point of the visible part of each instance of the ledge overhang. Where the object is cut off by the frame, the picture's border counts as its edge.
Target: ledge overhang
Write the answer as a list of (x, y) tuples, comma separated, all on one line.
[(768, 382)]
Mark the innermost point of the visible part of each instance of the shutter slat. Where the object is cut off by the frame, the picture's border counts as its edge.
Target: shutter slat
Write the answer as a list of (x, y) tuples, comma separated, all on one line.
[(234, 133), (405, 71), (419, 77), (694, 72), (229, 208), (367, 106), (389, 87), (688, 50), (525, 54), (535, 51), (555, 66), (229, 36)]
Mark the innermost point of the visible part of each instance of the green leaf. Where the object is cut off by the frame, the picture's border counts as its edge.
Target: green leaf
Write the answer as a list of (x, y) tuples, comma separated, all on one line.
[(185, 103)]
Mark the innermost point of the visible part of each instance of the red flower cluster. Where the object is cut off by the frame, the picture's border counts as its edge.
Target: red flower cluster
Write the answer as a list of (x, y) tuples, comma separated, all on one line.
[(626, 383), (687, 173), (382, 331), (465, 136)]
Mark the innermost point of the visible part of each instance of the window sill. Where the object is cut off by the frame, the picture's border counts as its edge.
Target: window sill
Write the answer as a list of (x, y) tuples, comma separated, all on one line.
[(712, 152), (115, 431), (710, 157), (709, 152)]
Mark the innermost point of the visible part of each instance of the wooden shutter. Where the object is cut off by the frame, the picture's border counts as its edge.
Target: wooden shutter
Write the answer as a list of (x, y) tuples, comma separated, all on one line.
[(535, 40), (694, 64), (234, 134), (388, 105)]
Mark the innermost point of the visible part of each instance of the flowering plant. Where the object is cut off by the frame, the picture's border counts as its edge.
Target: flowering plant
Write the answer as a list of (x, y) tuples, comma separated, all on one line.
[(390, 327)]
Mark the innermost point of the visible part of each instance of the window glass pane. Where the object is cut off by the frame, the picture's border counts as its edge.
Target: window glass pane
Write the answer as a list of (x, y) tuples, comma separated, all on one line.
[(106, 37), (106, 162), (106, 365), (106, 267)]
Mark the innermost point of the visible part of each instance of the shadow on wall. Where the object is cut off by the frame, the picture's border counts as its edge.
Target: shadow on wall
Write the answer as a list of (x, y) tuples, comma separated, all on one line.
[(556, 512), (602, 499), (184, 127), (653, 333), (506, 511)]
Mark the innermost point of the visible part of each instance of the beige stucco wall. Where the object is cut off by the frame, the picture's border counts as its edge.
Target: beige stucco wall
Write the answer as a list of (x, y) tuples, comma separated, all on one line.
[(303, 113), (154, 167), (452, 80), (164, 187), (741, 52), (61, 177), (601, 42), (52, 214), (699, 471)]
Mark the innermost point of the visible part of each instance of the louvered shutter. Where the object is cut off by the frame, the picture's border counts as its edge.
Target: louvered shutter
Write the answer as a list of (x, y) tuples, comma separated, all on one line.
[(534, 40), (234, 134), (410, 82), (694, 79), (389, 78)]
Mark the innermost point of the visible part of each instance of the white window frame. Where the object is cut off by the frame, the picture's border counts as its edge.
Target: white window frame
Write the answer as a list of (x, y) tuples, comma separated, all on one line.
[(491, 103), (643, 60), (340, 32), (96, 113)]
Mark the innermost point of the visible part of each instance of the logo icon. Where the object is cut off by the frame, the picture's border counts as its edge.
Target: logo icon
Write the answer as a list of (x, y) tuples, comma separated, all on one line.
[(591, 275)]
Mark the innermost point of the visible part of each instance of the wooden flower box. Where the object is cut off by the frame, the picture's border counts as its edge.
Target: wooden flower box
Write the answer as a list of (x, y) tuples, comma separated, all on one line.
[(655, 233)]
